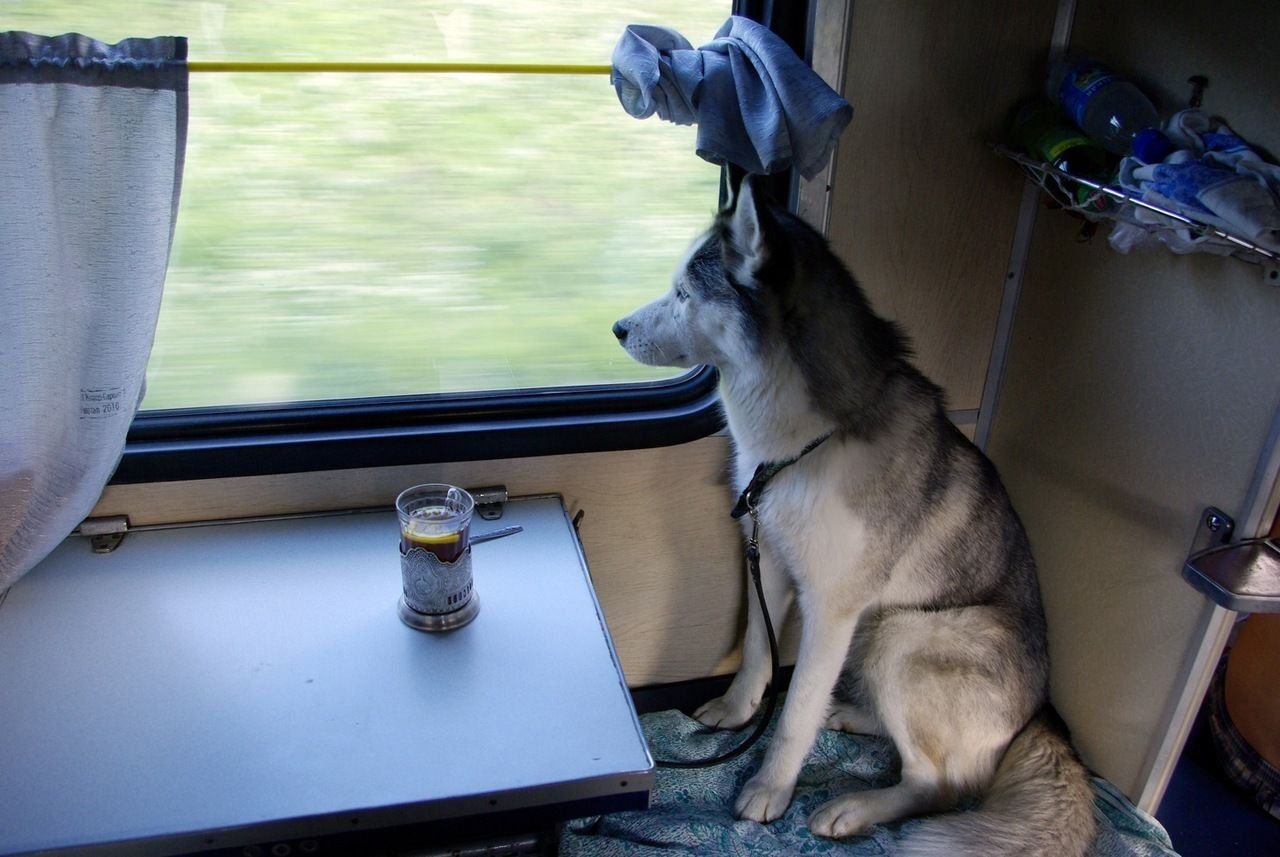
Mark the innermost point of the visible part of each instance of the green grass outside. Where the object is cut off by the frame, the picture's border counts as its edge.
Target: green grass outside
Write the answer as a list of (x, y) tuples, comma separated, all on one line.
[(363, 235)]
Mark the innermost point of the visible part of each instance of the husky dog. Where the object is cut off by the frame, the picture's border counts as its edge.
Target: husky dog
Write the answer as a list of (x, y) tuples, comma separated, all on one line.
[(916, 586)]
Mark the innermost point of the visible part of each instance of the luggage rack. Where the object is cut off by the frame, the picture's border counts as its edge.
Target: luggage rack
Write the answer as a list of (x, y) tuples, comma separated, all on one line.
[(1051, 179)]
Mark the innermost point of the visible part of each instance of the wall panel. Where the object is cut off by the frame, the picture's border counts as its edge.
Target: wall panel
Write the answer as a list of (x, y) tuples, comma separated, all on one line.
[(1140, 389), (923, 213)]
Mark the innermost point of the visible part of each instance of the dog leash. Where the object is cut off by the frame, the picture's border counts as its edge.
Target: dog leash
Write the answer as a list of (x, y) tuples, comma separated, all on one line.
[(749, 499), (749, 504)]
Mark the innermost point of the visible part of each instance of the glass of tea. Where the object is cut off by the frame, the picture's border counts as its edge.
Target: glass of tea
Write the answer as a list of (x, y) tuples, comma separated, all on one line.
[(436, 518)]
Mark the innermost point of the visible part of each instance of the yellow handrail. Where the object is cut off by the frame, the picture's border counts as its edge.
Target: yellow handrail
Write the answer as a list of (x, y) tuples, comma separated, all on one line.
[(306, 66)]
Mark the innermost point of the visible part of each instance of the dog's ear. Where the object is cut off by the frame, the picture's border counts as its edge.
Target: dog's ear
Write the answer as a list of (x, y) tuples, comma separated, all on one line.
[(731, 178), (745, 244)]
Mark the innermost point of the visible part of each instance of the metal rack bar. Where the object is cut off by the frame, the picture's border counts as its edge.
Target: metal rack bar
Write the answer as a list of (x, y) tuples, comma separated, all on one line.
[(1043, 169), (307, 66)]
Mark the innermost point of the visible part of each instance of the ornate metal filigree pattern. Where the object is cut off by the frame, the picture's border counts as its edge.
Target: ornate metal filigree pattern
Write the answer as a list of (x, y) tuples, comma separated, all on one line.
[(434, 587)]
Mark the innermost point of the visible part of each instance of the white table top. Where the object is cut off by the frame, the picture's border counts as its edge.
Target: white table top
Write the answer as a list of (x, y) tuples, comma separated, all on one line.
[(209, 687)]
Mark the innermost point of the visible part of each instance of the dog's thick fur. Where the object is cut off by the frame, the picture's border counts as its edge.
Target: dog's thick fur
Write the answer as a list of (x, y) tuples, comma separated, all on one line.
[(916, 586)]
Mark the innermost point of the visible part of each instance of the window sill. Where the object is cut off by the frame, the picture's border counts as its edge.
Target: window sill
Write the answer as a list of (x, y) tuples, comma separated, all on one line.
[(168, 446)]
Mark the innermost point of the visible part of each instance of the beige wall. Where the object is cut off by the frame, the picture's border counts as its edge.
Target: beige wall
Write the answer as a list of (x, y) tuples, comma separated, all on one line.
[(923, 212), (1139, 390)]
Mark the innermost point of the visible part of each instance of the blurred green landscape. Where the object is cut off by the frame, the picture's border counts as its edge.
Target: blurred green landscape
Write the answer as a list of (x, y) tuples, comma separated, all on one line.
[(346, 235)]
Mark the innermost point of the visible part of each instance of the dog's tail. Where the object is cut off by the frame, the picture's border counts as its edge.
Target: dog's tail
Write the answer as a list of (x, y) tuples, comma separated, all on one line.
[(1039, 803)]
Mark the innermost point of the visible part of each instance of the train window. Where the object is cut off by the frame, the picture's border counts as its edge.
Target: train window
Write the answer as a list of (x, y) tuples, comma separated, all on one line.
[(345, 234), (376, 268)]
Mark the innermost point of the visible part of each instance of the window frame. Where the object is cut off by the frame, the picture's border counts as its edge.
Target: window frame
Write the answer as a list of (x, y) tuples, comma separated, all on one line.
[(337, 434), (205, 443)]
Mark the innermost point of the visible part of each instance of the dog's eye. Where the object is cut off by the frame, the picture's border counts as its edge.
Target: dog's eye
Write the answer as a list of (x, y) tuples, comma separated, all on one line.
[(682, 295)]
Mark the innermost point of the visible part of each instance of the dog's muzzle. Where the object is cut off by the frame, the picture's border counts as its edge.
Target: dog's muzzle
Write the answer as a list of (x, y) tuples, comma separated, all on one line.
[(620, 331)]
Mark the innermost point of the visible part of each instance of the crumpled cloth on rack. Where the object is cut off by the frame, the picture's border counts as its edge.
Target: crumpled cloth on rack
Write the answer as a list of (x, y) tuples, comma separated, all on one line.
[(1215, 143), (756, 103), (1215, 178), (691, 811)]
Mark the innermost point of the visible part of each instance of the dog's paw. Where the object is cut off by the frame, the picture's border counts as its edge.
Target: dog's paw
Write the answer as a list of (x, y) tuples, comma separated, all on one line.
[(850, 718), (726, 712), (844, 816), (762, 800)]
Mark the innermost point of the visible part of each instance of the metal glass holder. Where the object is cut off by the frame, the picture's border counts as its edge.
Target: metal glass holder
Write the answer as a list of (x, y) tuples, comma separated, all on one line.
[(437, 595)]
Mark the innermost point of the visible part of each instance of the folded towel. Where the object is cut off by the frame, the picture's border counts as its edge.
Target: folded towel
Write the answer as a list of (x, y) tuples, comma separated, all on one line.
[(1139, 227), (1214, 141), (756, 103), (1240, 202)]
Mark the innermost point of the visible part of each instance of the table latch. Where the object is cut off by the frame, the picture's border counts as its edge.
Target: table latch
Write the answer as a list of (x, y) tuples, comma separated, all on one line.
[(489, 501), (106, 533)]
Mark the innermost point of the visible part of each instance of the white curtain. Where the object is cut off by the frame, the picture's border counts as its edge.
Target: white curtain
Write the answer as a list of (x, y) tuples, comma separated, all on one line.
[(92, 138)]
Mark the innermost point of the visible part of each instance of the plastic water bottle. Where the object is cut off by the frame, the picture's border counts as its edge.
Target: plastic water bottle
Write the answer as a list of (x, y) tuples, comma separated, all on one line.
[(1107, 107)]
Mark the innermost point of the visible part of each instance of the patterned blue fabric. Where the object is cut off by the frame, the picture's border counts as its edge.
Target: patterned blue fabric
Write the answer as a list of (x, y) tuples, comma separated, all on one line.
[(1187, 182), (1227, 143), (1214, 178), (692, 810), (1210, 139)]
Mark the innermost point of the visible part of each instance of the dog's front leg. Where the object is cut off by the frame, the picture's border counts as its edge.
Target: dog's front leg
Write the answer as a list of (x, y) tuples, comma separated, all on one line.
[(745, 692), (824, 642)]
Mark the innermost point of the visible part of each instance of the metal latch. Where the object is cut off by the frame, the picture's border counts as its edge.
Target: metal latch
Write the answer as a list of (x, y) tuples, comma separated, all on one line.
[(489, 501), (106, 533), (1243, 576)]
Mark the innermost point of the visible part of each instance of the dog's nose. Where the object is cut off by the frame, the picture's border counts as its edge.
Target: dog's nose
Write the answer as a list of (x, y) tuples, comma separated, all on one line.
[(620, 331)]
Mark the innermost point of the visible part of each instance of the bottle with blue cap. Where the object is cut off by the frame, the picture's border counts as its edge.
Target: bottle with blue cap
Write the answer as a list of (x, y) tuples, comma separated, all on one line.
[(1108, 107)]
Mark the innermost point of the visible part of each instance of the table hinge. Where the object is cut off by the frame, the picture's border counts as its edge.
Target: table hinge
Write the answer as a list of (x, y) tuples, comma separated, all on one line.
[(1243, 576), (489, 501), (106, 533)]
